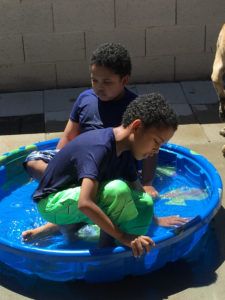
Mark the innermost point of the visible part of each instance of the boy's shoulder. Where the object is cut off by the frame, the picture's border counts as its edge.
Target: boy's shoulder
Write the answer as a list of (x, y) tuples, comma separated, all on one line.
[(91, 145), (98, 136), (95, 141), (86, 96), (89, 92)]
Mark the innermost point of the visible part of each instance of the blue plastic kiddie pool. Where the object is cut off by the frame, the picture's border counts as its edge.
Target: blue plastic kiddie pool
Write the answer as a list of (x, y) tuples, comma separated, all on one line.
[(189, 186)]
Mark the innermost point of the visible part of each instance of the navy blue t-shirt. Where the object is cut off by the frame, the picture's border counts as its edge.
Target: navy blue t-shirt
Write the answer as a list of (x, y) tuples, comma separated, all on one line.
[(90, 155), (92, 113)]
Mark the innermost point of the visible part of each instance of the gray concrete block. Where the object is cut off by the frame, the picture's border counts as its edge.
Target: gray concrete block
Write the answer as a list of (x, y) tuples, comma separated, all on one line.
[(169, 40), (145, 88), (56, 120), (145, 13), (53, 47), (10, 17), (133, 40), (36, 16), (60, 99), (11, 49), (206, 113), (152, 69), (27, 77), (199, 92), (171, 91), (70, 15), (193, 66), (200, 11), (25, 16), (73, 74), (184, 113), (21, 104), (212, 32)]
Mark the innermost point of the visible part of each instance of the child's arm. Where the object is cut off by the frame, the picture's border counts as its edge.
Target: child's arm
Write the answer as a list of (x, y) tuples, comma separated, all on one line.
[(148, 172), (137, 186), (87, 204), (71, 130), (149, 165)]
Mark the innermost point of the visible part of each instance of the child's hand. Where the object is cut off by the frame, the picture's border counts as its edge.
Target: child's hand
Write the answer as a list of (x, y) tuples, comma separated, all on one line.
[(138, 244), (170, 221), (141, 244), (151, 191)]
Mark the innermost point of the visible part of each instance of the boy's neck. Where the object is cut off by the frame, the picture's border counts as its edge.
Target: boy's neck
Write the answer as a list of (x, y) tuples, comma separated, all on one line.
[(122, 139), (120, 96)]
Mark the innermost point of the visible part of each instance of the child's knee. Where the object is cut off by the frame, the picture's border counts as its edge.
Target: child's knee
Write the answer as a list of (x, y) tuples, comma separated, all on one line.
[(117, 188), (144, 203), (146, 206), (117, 202)]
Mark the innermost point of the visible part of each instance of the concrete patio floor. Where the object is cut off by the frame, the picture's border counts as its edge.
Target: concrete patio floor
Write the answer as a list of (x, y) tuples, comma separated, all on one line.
[(201, 278)]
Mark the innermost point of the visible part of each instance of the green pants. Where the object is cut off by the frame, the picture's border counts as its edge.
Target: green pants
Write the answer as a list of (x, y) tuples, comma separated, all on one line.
[(130, 210)]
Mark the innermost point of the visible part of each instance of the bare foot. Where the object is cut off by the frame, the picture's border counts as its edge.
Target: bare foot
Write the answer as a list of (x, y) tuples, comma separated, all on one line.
[(39, 232), (151, 191), (69, 231)]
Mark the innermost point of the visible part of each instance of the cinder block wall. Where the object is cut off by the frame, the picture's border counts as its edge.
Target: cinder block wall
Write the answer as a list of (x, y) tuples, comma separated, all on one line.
[(47, 43)]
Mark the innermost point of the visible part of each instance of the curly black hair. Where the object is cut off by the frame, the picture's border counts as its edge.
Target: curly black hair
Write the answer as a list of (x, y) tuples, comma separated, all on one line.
[(153, 110), (113, 56)]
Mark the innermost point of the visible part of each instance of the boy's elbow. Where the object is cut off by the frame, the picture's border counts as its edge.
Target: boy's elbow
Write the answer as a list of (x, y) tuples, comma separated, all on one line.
[(83, 206)]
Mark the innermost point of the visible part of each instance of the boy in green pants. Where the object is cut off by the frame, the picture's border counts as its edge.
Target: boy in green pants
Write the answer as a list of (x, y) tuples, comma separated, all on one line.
[(102, 163)]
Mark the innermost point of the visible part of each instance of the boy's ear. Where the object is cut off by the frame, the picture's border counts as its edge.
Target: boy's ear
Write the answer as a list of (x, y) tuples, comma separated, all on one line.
[(136, 124), (125, 80)]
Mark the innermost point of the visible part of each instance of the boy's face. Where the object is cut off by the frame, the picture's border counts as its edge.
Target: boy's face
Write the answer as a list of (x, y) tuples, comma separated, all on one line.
[(106, 84), (146, 142)]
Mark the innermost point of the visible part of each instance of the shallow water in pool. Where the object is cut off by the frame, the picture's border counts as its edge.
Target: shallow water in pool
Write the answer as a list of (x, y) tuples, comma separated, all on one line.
[(18, 212)]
